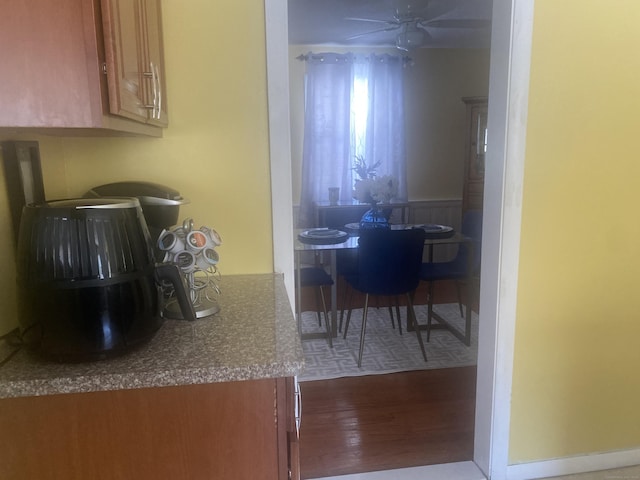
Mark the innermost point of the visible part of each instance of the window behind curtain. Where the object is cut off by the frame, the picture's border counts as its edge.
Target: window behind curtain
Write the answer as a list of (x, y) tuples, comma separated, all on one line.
[(359, 114), (353, 107)]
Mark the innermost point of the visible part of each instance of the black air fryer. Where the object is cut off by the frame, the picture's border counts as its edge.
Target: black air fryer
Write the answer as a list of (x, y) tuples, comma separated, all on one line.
[(88, 285)]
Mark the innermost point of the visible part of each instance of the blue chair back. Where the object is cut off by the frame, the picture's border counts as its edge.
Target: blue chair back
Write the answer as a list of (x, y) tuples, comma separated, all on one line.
[(472, 228), (389, 261)]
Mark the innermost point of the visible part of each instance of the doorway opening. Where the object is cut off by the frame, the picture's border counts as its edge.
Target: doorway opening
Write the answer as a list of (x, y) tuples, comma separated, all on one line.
[(508, 86)]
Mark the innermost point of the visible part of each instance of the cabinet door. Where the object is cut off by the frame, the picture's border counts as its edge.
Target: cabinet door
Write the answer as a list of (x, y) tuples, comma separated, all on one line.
[(124, 57), (155, 62), (476, 146), (478, 142), (134, 58), (49, 65), (210, 431)]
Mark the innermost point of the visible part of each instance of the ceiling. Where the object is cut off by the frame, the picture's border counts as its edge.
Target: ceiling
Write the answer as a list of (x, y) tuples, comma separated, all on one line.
[(326, 22)]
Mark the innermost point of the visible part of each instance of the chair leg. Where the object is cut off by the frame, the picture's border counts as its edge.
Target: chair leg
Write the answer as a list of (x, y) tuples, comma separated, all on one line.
[(327, 320), (459, 297), (429, 309), (416, 327), (347, 290), (393, 323), (364, 328), (398, 315), (319, 301), (346, 326)]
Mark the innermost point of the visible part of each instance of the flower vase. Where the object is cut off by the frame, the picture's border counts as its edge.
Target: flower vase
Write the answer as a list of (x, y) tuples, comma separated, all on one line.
[(374, 218)]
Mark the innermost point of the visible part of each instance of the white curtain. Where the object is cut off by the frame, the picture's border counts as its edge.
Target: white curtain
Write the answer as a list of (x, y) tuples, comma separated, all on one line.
[(385, 138), (334, 132)]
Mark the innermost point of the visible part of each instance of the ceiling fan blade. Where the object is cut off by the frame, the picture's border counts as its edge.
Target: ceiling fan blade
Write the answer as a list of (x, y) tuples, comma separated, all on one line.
[(457, 23), (370, 32), (368, 20)]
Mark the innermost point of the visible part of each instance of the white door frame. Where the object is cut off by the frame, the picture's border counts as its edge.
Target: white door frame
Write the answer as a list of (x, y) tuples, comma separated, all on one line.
[(508, 94), (512, 26)]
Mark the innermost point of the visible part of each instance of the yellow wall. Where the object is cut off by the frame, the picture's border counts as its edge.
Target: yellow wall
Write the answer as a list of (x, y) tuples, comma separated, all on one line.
[(575, 380), (575, 384), (215, 151), (435, 115)]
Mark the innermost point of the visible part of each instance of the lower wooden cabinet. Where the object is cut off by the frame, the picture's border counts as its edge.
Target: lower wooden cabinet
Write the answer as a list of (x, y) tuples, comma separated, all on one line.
[(240, 430)]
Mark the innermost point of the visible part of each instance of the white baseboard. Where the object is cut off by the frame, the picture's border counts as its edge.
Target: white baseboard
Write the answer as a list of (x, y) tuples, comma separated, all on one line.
[(524, 471), (573, 465), (448, 471)]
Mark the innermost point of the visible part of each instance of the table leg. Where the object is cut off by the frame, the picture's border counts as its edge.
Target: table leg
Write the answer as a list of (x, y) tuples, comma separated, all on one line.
[(470, 289), (430, 299), (410, 322), (467, 324), (334, 293)]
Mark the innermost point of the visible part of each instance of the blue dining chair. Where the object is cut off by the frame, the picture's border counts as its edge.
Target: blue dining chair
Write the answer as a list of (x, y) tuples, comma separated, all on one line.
[(316, 278), (347, 265), (388, 264), (462, 269)]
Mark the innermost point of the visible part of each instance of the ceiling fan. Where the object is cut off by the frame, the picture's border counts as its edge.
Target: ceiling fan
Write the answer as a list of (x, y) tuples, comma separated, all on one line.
[(413, 26)]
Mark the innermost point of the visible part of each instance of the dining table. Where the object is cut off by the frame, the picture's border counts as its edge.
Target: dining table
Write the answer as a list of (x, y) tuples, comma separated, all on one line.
[(347, 239)]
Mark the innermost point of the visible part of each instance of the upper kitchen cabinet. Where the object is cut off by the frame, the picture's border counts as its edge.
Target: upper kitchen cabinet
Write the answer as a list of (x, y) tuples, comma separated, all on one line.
[(82, 67)]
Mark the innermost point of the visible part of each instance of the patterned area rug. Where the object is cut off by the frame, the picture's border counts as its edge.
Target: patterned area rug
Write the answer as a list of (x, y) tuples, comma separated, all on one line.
[(385, 350)]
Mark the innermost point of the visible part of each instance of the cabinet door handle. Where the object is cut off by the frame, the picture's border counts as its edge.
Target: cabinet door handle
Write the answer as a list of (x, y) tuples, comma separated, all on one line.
[(298, 405), (159, 91), (154, 86), (154, 107)]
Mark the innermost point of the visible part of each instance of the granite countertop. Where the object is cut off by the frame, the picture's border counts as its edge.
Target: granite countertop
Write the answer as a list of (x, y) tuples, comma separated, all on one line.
[(253, 336)]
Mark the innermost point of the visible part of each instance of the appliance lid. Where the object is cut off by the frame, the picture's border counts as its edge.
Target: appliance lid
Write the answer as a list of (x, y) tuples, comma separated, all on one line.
[(92, 203), (148, 193)]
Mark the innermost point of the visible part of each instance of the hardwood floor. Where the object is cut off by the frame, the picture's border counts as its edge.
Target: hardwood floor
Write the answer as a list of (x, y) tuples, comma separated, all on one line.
[(381, 422)]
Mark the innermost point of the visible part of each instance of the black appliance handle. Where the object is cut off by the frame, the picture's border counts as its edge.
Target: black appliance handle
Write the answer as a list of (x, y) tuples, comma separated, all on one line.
[(171, 273)]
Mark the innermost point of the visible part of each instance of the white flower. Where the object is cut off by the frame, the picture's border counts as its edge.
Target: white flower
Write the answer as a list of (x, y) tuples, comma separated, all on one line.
[(376, 190)]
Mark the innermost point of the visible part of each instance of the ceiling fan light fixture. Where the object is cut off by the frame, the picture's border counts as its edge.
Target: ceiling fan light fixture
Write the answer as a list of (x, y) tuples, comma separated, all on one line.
[(409, 39)]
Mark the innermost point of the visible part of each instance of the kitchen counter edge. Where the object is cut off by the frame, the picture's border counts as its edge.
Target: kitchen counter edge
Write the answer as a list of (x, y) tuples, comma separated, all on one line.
[(254, 336)]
